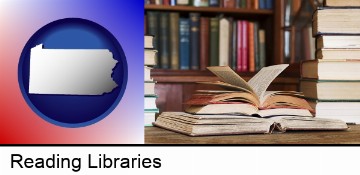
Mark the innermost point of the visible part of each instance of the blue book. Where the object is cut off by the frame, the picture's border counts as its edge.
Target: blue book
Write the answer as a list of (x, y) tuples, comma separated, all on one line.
[(262, 4), (184, 39), (214, 3), (194, 40), (269, 4), (173, 2)]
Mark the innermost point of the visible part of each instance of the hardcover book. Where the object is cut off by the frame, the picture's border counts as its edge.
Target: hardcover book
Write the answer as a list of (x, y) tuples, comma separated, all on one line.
[(203, 125), (194, 40), (331, 69), (184, 39)]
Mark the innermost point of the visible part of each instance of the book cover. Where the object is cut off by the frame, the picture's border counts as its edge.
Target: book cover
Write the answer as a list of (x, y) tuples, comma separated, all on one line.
[(204, 42), (214, 41), (174, 40), (164, 49), (184, 39), (194, 40)]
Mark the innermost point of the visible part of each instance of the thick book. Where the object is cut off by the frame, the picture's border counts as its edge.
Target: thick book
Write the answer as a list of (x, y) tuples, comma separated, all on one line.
[(342, 3), (338, 54), (174, 41), (150, 103), (184, 46), (204, 42), (150, 57), (214, 41), (194, 40), (224, 41), (337, 90), (248, 98), (338, 42), (336, 21), (149, 88), (164, 49), (147, 76), (149, 118), (203, 125), (349, 112), (331, 69), (149, 42)]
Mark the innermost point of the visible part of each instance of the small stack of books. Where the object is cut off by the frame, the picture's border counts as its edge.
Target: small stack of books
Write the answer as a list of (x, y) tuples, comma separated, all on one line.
[(149, 84), (245, 107), (332, 81)]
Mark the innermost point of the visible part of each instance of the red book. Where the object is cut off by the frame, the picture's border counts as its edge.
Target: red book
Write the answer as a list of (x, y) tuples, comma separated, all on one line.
[(166, 2), (204, 42), (229, 3), (239, 47), (245, 46)]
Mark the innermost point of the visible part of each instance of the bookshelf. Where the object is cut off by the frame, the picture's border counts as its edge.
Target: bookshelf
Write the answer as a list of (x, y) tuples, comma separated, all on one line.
[(174, 87)]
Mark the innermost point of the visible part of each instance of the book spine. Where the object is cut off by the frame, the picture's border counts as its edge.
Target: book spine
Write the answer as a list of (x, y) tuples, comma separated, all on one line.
[(184, 39), (164, 41), (200, 3), (182, 2), (194, 40), (251, 45), (173, 2), (245, 46), (262, 4), (229, 4), (249, 4), (256, 46), (269, 4), (214, 41), (238, 4), (239, 47), (255, 4), (214, 3), (262, 48), (230, 37), (152, 29), (234, 45), (166, 2), (244, 4), (174, 40), (224, 42), (204, 42)]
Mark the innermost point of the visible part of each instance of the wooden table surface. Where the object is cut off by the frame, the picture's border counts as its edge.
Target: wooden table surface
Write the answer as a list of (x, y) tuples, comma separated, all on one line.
[(155, 135)]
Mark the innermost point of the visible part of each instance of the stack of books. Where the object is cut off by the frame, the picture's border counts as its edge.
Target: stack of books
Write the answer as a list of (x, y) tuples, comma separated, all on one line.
[(332, 81), (245, 107), (149, 84), (246, 4), (198, 41)]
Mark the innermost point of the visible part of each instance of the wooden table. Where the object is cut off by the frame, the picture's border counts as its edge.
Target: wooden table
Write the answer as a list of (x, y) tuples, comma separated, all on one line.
[(155, 135)]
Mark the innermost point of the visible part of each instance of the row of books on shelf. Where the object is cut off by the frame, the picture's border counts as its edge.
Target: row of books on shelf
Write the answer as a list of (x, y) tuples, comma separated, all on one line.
[(332, 81), (197, 42), (249, 4)]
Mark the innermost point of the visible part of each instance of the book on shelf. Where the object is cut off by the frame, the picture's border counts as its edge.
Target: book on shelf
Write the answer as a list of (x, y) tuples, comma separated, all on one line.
[(164, 40), (174, 40), (338, 42), (248, 98), (336, 54), (184, 46), (224, 41), (149, 42), (204, 42), (336, 90), (182, 2), (347, 111), (150, 57), (229, 3), (330, 69), (262, 49), (194, 40), (214, 3), (214, 41), (200, 3), (203, 125), (336, 21), (342, 3), (149, 88)]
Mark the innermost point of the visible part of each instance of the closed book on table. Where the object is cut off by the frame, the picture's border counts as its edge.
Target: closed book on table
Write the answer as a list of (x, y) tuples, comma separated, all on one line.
[(338, 42), (150, 57), (164, 49), (214, 41), (331, 70), (194, 40), (174, 40), (184, 50), (204, 42)]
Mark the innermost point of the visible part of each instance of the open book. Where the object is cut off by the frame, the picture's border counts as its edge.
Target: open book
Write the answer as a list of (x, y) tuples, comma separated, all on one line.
[(202, 125), (248, 98)]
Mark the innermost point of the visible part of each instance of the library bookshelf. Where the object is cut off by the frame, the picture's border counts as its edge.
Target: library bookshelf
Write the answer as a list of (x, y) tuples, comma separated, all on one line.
[(174, 87)]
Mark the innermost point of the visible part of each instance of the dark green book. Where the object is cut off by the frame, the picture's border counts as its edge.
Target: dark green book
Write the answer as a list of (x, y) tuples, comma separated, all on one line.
[(174, 40), (214, 41), (194, 40), (256, 46), (164, 49), (243, 3)]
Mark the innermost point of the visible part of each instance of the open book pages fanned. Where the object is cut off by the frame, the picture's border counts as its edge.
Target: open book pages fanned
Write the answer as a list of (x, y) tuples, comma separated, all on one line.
[(248, 98), (203, 125)]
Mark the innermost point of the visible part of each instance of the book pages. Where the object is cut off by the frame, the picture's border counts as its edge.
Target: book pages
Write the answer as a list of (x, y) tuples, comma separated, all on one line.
[(261, 81)]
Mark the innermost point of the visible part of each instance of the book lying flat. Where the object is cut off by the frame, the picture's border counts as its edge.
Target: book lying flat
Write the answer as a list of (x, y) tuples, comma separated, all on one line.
[(203, 125), (338, 42), (331, 69), (248, 98), (342, 3)]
